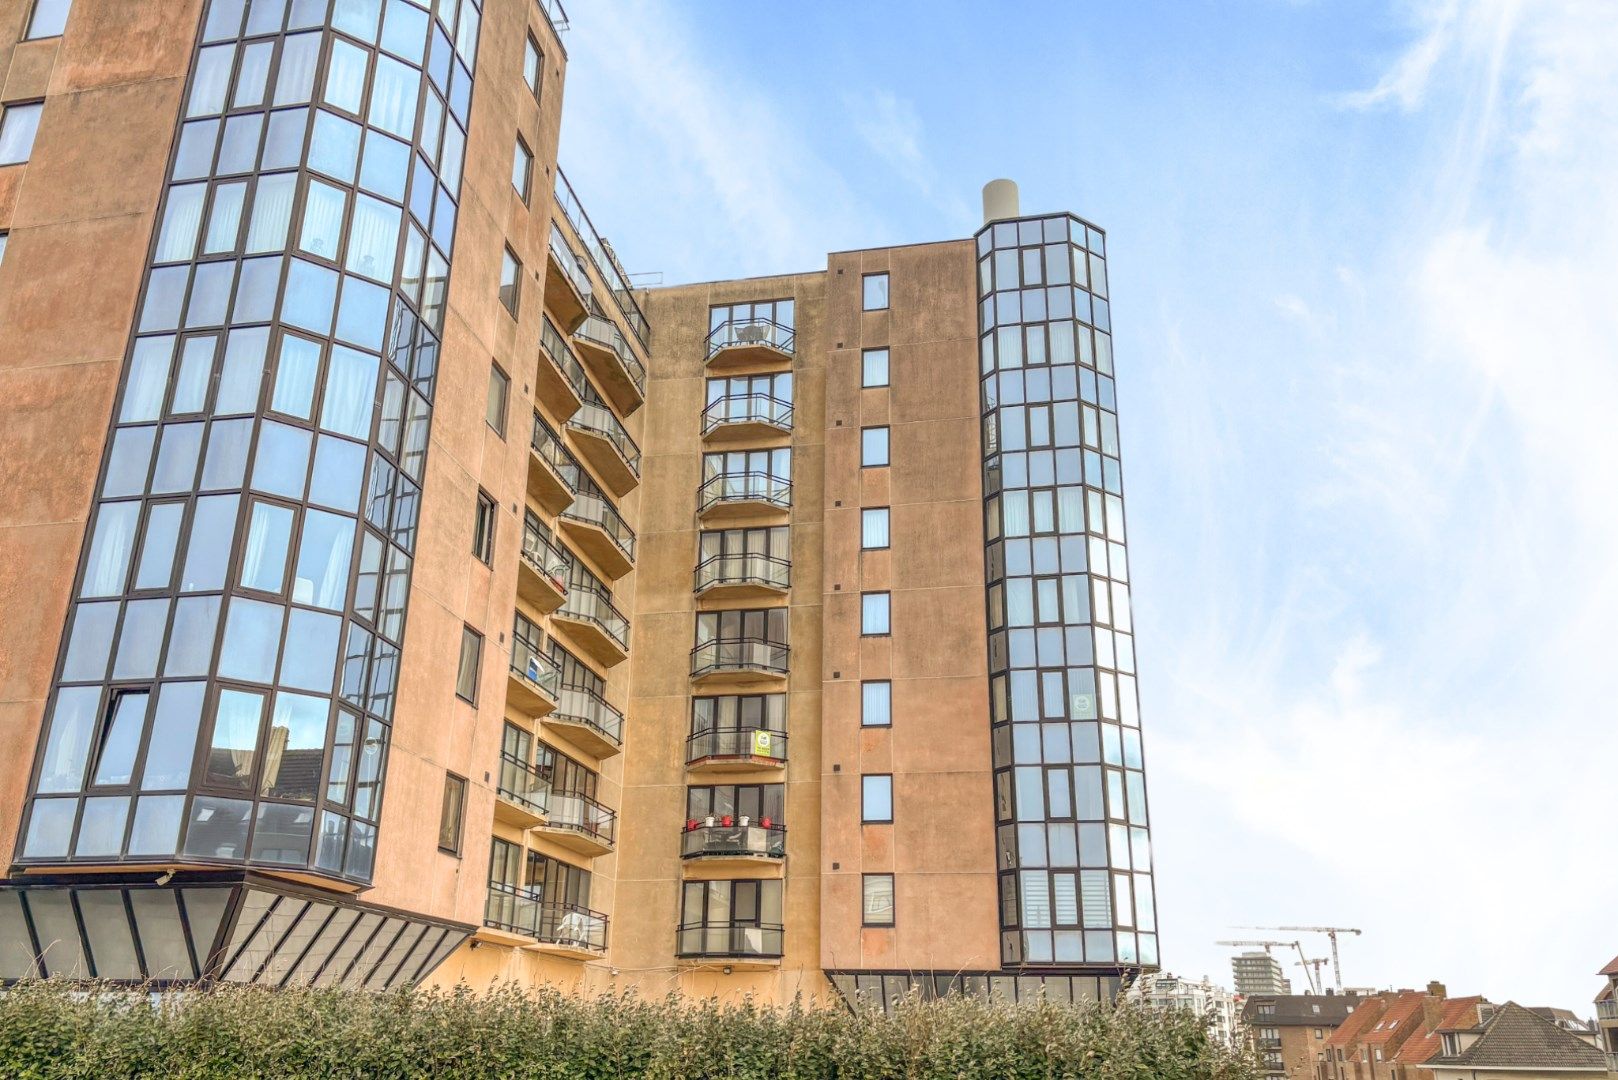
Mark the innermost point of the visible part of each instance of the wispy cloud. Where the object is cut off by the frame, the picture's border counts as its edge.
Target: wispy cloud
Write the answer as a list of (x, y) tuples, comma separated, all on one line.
[(892, 131)]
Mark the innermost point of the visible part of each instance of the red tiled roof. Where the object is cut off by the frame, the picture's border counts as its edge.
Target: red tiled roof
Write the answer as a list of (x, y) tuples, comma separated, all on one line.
[(1366, 1013), (1399, 1011), (1610, 969), (1456, 1013)]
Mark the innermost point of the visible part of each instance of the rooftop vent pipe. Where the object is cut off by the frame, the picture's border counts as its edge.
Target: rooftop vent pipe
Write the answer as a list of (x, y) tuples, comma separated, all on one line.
[(999, 200)]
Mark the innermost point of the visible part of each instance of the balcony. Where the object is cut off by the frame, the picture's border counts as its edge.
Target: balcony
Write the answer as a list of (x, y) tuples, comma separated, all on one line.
[(591, 622), (746, 417), (569, 930), (562, 383), (721, 750), (739, 343), (1607, 1010), (744, 495), (511, 912), (604, 443), (743, 576), (743, 844), (732, 945), (533, 681), (584, 718), (542, 571), (553, 475), (606, 263), (580, 823), (521, 793), (567, 286), (596, 528), (613, 360), (732, 660)]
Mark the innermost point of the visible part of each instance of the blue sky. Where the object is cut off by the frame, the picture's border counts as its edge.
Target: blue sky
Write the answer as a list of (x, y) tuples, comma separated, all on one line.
[(1366, 314)]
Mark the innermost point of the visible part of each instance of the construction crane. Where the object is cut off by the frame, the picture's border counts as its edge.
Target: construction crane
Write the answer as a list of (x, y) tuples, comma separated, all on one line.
[(1268, 945), (1316, 965), (1330, 931)]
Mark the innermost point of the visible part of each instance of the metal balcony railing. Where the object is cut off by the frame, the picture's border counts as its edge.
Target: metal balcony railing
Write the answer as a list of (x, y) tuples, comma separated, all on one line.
[(751, 332), (550, 449), (601, 254), (736, 743), (572, 266), (744, 487), (555, 14), (605, 333), (743, 568), (592, 604), (544, 555), (747, 409), (582, 705), (572, 926), (599, 420), (511, 908), (535, 668), (709, 839), (521, 784), (597, 511), (739, 654), (555, 347), (582, 814), (729, 940)]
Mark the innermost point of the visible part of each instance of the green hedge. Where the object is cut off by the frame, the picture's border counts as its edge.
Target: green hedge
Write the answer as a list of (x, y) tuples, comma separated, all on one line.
[(48, 1030)]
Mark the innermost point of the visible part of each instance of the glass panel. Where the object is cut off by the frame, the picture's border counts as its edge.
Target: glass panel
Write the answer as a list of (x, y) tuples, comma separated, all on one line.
[(67, 749), (58, 933), (156, 830), (116, 757), (112, 942), (172, 746), (162, 937), (101, 826), (218, 827), (235, 739)]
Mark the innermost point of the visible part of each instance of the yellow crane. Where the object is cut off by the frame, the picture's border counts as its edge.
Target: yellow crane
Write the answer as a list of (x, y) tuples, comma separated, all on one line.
[(1330, 931)]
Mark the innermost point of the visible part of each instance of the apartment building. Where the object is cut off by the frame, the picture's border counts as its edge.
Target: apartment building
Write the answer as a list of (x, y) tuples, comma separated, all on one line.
[(393, 594), (1289, 1032), (1166, 992), (1257, 972)]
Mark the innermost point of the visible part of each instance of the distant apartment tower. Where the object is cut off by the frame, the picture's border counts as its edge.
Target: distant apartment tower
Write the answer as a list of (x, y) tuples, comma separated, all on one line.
[(389, 593), (1258, 973), (1200, 997)]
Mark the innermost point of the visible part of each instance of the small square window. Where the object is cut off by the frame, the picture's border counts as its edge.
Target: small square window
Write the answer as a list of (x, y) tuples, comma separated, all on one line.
[(874, 367), (875, 292), (876, 704), (49, 19), (533, 65), (876, 799), (873, 446), (874, 528), (510, 281), (522, 169), (451, 814), (877, 900), (18, 126), (499, 390), (874, 621), (3, 238), (483, 529), (466, 675)]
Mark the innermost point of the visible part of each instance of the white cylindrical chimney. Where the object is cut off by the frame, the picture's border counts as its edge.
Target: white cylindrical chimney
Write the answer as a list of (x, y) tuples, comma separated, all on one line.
[(999, 200)]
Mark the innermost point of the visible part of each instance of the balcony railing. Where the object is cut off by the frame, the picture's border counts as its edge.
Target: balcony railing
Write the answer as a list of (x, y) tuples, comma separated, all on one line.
[(729, 940), (555, 14), (746, 332), (747, 409), (755, 487), (556, 348), (708, 839), (605, 333), (599, 420), (550, 449), (739, 654), (597, 511), (606, 262), (535, 668), (571, 267), (519, 783), (582, 705), (736, 743), (592, 604), (542, 553), (744, 568), (582, 814), (511, 908), (571, 926), (1607, 1010)]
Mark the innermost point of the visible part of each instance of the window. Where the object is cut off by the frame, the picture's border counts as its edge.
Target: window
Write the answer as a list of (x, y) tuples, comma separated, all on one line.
[(451, 814), (875, 293), (510, 286), (873, 446), (876, 704), (49, 19), (3, 237), (522, 169), (878, 900), (483, 529), (876, 799), (466, 676), (495, 410), (1318, 1033), (874, 614), (874, 367), (533, 64), (18, 124), (874, 528)]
